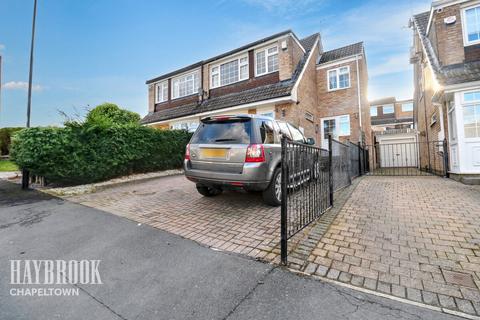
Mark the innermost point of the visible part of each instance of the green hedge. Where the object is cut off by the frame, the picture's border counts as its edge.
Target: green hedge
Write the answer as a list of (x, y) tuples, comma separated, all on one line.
[(80, 154), (5, 139)]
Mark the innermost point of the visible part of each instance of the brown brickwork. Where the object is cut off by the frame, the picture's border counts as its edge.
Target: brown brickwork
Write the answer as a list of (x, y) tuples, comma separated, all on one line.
[(448, 39), (345, 101), (472, 53), (289, 58), (151, 98)]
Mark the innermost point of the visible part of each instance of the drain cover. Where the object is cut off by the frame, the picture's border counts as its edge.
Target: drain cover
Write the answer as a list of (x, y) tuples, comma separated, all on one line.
[(458, 278)]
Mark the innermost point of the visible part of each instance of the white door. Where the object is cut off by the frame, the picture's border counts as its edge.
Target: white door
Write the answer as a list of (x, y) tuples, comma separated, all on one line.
[(398, 153)]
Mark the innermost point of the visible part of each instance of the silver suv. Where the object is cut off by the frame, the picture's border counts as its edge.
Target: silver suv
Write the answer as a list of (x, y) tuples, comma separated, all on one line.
[(239, 152)]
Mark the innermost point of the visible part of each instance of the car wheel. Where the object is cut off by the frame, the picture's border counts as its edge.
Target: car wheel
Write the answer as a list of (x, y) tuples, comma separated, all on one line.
[(208, 191), (273, 194)]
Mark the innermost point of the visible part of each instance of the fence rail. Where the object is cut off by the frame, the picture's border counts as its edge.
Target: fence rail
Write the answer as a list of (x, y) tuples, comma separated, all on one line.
[(310, 175)]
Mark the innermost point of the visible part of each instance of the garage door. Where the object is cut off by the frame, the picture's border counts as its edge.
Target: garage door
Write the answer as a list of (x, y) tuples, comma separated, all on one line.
[(398, 153)]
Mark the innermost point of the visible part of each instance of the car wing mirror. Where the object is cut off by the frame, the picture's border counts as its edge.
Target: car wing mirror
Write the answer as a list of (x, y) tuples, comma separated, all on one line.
[(310, 141)]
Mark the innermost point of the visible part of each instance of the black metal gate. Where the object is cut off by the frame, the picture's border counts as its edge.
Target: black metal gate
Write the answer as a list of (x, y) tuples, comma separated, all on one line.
[(310, 175), (409, 158), (307, 188)]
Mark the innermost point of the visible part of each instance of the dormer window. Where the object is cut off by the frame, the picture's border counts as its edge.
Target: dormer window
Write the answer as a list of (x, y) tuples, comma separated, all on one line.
[(161, 92), (471, 25), (229, 72), (185, 85), (266, 60)]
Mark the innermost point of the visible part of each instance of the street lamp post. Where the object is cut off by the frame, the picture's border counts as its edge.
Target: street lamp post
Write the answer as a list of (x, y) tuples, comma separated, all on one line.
[(25, 173)]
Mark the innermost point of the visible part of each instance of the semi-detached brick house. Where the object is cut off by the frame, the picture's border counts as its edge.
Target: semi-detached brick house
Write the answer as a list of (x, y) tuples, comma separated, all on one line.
[(446, 59), (281, 76)]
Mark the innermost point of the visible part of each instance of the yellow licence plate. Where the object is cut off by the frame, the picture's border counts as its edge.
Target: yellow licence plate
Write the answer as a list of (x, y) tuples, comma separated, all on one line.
[(214, 153)]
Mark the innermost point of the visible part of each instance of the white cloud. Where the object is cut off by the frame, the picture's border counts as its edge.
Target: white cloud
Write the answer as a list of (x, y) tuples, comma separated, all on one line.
[(21, 85), (391, 64), (287, 8)]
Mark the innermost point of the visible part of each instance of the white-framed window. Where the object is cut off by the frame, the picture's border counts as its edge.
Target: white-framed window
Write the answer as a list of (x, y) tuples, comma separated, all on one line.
[(471, 114), (407, 107), (339, 78), (388, 109), (471, 25), (185, 85), (161, 91), (373, 111), (266, 60), (190, 126), (452, 122), (229, 72), (336, 126)]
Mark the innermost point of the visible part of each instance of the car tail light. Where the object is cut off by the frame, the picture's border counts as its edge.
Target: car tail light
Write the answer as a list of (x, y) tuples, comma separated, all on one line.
[(255, 153), (187, 152)]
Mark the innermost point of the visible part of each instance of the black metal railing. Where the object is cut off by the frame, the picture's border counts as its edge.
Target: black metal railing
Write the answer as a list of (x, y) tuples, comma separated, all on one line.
[(417, 158), (310, 175), (306, 188)]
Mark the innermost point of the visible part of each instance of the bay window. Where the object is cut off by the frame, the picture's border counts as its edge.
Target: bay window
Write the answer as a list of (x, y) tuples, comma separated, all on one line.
[(471, 25), (229, 72), (161, 92), (185, 85), (339, 78), (471, 114), (266, 60)]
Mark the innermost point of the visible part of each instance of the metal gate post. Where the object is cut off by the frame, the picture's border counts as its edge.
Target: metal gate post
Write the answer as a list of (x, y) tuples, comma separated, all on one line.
[(445, 159), (284, 214), (330, 168), (359, 160)]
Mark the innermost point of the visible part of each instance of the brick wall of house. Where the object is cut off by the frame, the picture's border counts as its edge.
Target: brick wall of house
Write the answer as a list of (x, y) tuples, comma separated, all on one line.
[(366, 121), (448, 38), (288, 58), (307, 102), (341, 102), (151, 98)]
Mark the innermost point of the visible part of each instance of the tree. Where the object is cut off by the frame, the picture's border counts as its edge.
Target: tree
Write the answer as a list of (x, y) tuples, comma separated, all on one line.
[(109, 114)]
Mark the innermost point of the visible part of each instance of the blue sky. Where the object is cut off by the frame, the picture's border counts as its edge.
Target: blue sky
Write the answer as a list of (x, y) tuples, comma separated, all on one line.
[(91, 51)]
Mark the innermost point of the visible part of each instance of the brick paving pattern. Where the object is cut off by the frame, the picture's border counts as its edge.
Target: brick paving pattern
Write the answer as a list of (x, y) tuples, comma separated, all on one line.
[(412, 237), (233, 221)]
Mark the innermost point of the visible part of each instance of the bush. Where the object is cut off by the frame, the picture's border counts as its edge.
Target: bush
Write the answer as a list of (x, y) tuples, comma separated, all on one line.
[(109, 114), (5, 139), (90, 153)]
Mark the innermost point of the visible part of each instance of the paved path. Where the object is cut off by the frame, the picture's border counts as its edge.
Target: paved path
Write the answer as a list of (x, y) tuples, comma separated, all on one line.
[(152, 274), (412, 237)]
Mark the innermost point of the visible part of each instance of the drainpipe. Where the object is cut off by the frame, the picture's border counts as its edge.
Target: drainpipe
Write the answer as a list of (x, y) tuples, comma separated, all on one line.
[(359, 99)]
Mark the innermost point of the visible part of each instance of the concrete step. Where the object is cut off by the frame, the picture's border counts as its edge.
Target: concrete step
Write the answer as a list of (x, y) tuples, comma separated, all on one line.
[(470, 180)]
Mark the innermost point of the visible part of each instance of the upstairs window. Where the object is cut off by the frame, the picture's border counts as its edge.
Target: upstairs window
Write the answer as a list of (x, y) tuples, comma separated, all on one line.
[(471, 25), (407, 107), (266, 60), (161, 92), (229, 72), (388, 109), (185, 85), (373, 111), (339, 78)]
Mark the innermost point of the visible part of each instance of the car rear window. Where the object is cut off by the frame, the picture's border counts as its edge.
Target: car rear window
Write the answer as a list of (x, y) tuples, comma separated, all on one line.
[(224, 132)]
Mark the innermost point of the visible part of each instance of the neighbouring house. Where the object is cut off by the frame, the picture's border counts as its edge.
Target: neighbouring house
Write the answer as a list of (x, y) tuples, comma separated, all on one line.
[(392, 124), (281, 76), (446, 59)]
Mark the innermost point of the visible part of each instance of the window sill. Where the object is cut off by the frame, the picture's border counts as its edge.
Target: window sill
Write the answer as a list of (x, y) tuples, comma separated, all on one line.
[(264, 74), (333, 90), (473, 43), (183, 97)]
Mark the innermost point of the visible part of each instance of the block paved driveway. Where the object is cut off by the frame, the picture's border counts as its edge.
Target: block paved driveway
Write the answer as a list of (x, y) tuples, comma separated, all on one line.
[(416, 238), (233, 221), (413, 237)]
